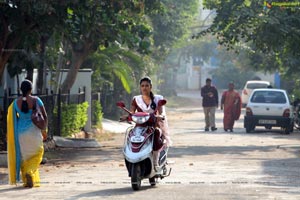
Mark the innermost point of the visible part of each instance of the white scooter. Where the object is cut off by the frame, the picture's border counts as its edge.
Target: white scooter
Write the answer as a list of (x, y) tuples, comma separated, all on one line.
[(138, 148)]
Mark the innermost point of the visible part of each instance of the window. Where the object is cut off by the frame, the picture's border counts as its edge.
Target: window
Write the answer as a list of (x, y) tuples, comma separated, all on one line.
[(269, 97), (257, 85)]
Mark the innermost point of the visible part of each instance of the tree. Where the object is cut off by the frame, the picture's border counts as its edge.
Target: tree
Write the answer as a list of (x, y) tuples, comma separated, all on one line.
[(171, 29), (23, 25), (99, 24), (86, 25), (114, 62), (172, 26), (268, 32)]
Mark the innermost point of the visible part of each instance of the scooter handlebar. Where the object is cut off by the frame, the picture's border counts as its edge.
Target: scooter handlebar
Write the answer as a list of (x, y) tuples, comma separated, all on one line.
[(127, 118), (162, 117)]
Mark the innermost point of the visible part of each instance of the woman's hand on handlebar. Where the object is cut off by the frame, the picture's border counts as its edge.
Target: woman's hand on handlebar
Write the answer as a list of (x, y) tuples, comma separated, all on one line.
[(125, 118), (160, 117)]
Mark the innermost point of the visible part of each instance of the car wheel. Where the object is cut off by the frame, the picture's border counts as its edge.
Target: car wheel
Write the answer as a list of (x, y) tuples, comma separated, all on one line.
[(292, 129), (286, 130), (152, 181), (249, 128)]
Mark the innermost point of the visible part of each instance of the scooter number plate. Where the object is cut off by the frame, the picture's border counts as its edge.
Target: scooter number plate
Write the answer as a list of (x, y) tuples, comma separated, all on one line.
[(137, 139)]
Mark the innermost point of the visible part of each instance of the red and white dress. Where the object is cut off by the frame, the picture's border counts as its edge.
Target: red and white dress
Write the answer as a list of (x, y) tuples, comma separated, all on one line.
[(141, 106)]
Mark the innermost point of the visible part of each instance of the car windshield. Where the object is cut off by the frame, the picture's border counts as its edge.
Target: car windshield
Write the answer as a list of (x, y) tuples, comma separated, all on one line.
[(275, 97), (257, 85)]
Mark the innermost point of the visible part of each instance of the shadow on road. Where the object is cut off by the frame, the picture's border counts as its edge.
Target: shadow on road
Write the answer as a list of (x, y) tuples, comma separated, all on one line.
[(109, 192), (286, 172), (217, 150), (83, 155)]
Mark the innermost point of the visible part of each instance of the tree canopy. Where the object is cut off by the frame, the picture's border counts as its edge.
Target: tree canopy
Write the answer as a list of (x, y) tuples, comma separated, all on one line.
[(48, 33), (86, 25), (269, 32), (23, 25)]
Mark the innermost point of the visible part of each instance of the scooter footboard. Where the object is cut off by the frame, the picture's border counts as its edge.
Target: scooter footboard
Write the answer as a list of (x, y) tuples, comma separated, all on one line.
[(146, 167)]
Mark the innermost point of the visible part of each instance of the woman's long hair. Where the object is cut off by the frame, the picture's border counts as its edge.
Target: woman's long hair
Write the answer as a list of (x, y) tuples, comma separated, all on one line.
[(26, 86), (148, 79)]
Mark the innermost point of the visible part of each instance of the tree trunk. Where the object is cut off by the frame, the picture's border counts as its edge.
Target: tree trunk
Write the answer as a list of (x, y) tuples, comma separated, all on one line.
[(3, 39), (77, 60), (2, 67), (29, 74), (3, 60), (59, 65), (41, 69), (78, 56), (5, 52)]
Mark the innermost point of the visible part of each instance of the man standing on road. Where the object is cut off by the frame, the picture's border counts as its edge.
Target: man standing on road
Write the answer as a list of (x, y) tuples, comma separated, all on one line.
[(232, 104), (210, 101)]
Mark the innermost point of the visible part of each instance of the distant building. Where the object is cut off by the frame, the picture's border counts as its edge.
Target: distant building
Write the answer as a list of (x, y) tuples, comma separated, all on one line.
[(192, 74)]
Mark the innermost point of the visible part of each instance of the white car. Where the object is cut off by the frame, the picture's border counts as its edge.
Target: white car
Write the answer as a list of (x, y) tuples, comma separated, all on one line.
[(269, 108), (249, 87)]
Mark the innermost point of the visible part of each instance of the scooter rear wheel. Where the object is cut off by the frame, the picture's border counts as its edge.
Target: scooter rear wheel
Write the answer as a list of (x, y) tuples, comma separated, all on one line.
[(136, 179)]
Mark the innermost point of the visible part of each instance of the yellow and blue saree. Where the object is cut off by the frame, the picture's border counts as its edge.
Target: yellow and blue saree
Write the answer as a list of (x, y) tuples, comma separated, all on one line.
[(24, 147)]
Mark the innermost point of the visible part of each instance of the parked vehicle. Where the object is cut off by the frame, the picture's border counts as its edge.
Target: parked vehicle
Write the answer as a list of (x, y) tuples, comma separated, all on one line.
[(138, 148), (269, 108), (249, 87)]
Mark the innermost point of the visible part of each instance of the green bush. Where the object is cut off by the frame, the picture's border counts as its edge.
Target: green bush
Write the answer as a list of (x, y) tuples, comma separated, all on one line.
[(74, 118), (97, 114)]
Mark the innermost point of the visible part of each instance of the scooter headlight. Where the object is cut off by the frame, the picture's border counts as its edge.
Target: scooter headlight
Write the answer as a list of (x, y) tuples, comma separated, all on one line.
[(140, 118)]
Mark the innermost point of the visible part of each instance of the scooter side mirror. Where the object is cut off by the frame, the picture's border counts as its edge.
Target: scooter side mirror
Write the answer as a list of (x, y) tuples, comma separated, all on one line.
[(162, 102), (121, 104)]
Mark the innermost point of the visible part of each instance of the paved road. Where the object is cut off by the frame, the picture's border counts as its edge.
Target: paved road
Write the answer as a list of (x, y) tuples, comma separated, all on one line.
[(206, 165)]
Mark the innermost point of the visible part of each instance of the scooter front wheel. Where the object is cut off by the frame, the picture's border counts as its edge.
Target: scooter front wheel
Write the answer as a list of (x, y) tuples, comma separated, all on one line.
[(136, 179)]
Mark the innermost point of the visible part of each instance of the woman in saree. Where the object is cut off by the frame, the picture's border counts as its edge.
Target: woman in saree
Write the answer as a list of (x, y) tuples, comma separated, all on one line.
[(232, 105), (24, 140)]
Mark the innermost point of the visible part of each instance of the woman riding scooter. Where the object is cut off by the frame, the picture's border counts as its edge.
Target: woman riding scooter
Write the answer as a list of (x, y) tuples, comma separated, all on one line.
[(147, 102)]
